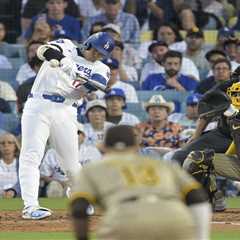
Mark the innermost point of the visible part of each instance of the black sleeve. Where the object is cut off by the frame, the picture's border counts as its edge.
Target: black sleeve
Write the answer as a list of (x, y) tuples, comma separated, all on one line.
[(196, 196)]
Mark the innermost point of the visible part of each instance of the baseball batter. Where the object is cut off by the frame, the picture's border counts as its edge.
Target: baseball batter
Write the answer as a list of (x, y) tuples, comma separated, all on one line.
[(50, 112), (145, 199)]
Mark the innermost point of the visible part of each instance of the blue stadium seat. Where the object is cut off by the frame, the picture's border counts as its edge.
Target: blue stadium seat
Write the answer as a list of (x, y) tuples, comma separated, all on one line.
[(16, 62), (136, 109), (9, 122), (9, 75)]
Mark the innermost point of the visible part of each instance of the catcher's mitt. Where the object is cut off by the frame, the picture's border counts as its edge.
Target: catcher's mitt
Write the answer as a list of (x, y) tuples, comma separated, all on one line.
[(213, 104)]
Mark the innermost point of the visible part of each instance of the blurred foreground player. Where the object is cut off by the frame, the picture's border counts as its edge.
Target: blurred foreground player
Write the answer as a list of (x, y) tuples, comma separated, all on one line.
[(141, 198)]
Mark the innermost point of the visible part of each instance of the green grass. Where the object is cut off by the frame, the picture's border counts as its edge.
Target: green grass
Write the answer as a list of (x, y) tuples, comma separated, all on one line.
[(16, 204)]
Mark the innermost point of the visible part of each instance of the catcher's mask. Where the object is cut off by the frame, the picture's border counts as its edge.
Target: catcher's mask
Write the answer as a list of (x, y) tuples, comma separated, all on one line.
[(234, 93)]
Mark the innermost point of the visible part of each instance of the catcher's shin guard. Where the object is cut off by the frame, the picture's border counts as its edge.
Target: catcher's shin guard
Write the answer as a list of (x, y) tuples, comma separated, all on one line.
[(199, 165)]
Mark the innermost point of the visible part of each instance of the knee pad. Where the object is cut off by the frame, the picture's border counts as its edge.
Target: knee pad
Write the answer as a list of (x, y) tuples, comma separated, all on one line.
[(199, 165)]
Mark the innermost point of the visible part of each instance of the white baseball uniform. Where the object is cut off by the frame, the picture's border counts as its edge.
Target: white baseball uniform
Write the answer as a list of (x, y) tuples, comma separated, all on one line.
[(49, 114)]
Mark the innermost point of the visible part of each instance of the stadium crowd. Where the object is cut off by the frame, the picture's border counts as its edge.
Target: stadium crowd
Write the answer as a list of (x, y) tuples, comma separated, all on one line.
[(167, 55)]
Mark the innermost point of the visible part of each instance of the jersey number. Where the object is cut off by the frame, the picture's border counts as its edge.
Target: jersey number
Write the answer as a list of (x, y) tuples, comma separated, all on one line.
[(140, 175)]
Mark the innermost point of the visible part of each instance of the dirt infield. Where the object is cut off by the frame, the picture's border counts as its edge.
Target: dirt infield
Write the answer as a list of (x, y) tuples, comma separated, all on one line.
[(60, 221)]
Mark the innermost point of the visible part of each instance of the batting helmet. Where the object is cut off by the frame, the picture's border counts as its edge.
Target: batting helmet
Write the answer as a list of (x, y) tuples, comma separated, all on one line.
[(101, 41)]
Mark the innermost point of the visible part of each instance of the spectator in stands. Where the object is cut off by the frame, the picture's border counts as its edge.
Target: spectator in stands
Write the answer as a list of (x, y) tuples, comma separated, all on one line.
[(189, 118), (170, 34), (150, 14), (130, 54), (33, 8), (25, 71), (7, 92), (113, 14), (224, 34), (53, 175), (115, 82), (230, 48), (171, 79), (237, 25), (187, 20), (3, 44), (4, 62), (215, 7), (126, 72), (238, 53), (4, 107), (25, 88), (158, 49), (195, 50), (158, 131), (221, 72), (96, 27), (95, 129), (90, 8), (213, 55), (116, 102), (42, 32), (60, 23), (9, 152)]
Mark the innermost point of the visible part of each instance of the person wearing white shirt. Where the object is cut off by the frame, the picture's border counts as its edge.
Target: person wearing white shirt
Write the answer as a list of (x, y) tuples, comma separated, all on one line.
[(129, 90), (4, 63), (51, 171), (157, 50), (25, 71), (97, 125), (9, 151), (116, 102)]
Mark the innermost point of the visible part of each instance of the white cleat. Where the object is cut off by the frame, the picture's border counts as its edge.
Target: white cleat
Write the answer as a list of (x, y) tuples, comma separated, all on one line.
[(36, 213)]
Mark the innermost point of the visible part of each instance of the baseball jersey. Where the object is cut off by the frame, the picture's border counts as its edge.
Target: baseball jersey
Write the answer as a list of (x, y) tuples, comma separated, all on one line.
[(128, 119), (8, 175), (132, 176), (93, 136), (51, 80)]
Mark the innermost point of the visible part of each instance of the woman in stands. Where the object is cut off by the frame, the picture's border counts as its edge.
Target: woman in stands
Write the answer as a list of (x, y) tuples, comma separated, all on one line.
[(9, 152)]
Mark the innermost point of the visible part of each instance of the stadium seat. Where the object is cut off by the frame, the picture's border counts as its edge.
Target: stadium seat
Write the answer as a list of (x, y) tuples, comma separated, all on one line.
[(9, 75), (16, 62), (9, 122), (136, 109)]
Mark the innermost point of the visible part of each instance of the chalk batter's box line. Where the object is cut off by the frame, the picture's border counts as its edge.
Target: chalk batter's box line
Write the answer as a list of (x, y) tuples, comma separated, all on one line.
[(227, 223)]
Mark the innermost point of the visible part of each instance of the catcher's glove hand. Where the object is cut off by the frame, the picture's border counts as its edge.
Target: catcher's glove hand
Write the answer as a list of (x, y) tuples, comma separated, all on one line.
[(213, 104)]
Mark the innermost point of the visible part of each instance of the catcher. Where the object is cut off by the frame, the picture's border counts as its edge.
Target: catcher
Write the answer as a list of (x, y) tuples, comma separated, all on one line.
[(205, 165), (142, 198)]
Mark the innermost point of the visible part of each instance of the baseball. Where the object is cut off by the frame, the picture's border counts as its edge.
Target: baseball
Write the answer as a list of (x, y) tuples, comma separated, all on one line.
[(54, 63)]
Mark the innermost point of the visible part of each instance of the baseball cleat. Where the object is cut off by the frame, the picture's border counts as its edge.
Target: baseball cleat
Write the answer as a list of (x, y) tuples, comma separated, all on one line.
[(36, 213)]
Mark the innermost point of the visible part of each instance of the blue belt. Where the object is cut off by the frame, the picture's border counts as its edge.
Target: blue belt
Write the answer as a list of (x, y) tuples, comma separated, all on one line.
[(53, 98)]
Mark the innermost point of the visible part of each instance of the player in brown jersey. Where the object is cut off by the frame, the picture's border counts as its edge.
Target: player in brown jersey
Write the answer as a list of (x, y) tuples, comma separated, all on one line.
[(142, 198)]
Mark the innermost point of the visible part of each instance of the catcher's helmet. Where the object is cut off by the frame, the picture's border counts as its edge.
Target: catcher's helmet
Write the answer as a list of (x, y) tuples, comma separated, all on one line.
[(101, 41), (234, 93)]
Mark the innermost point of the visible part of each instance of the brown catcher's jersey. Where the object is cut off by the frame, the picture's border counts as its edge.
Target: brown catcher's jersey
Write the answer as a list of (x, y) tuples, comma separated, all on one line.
[(122, 177)]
